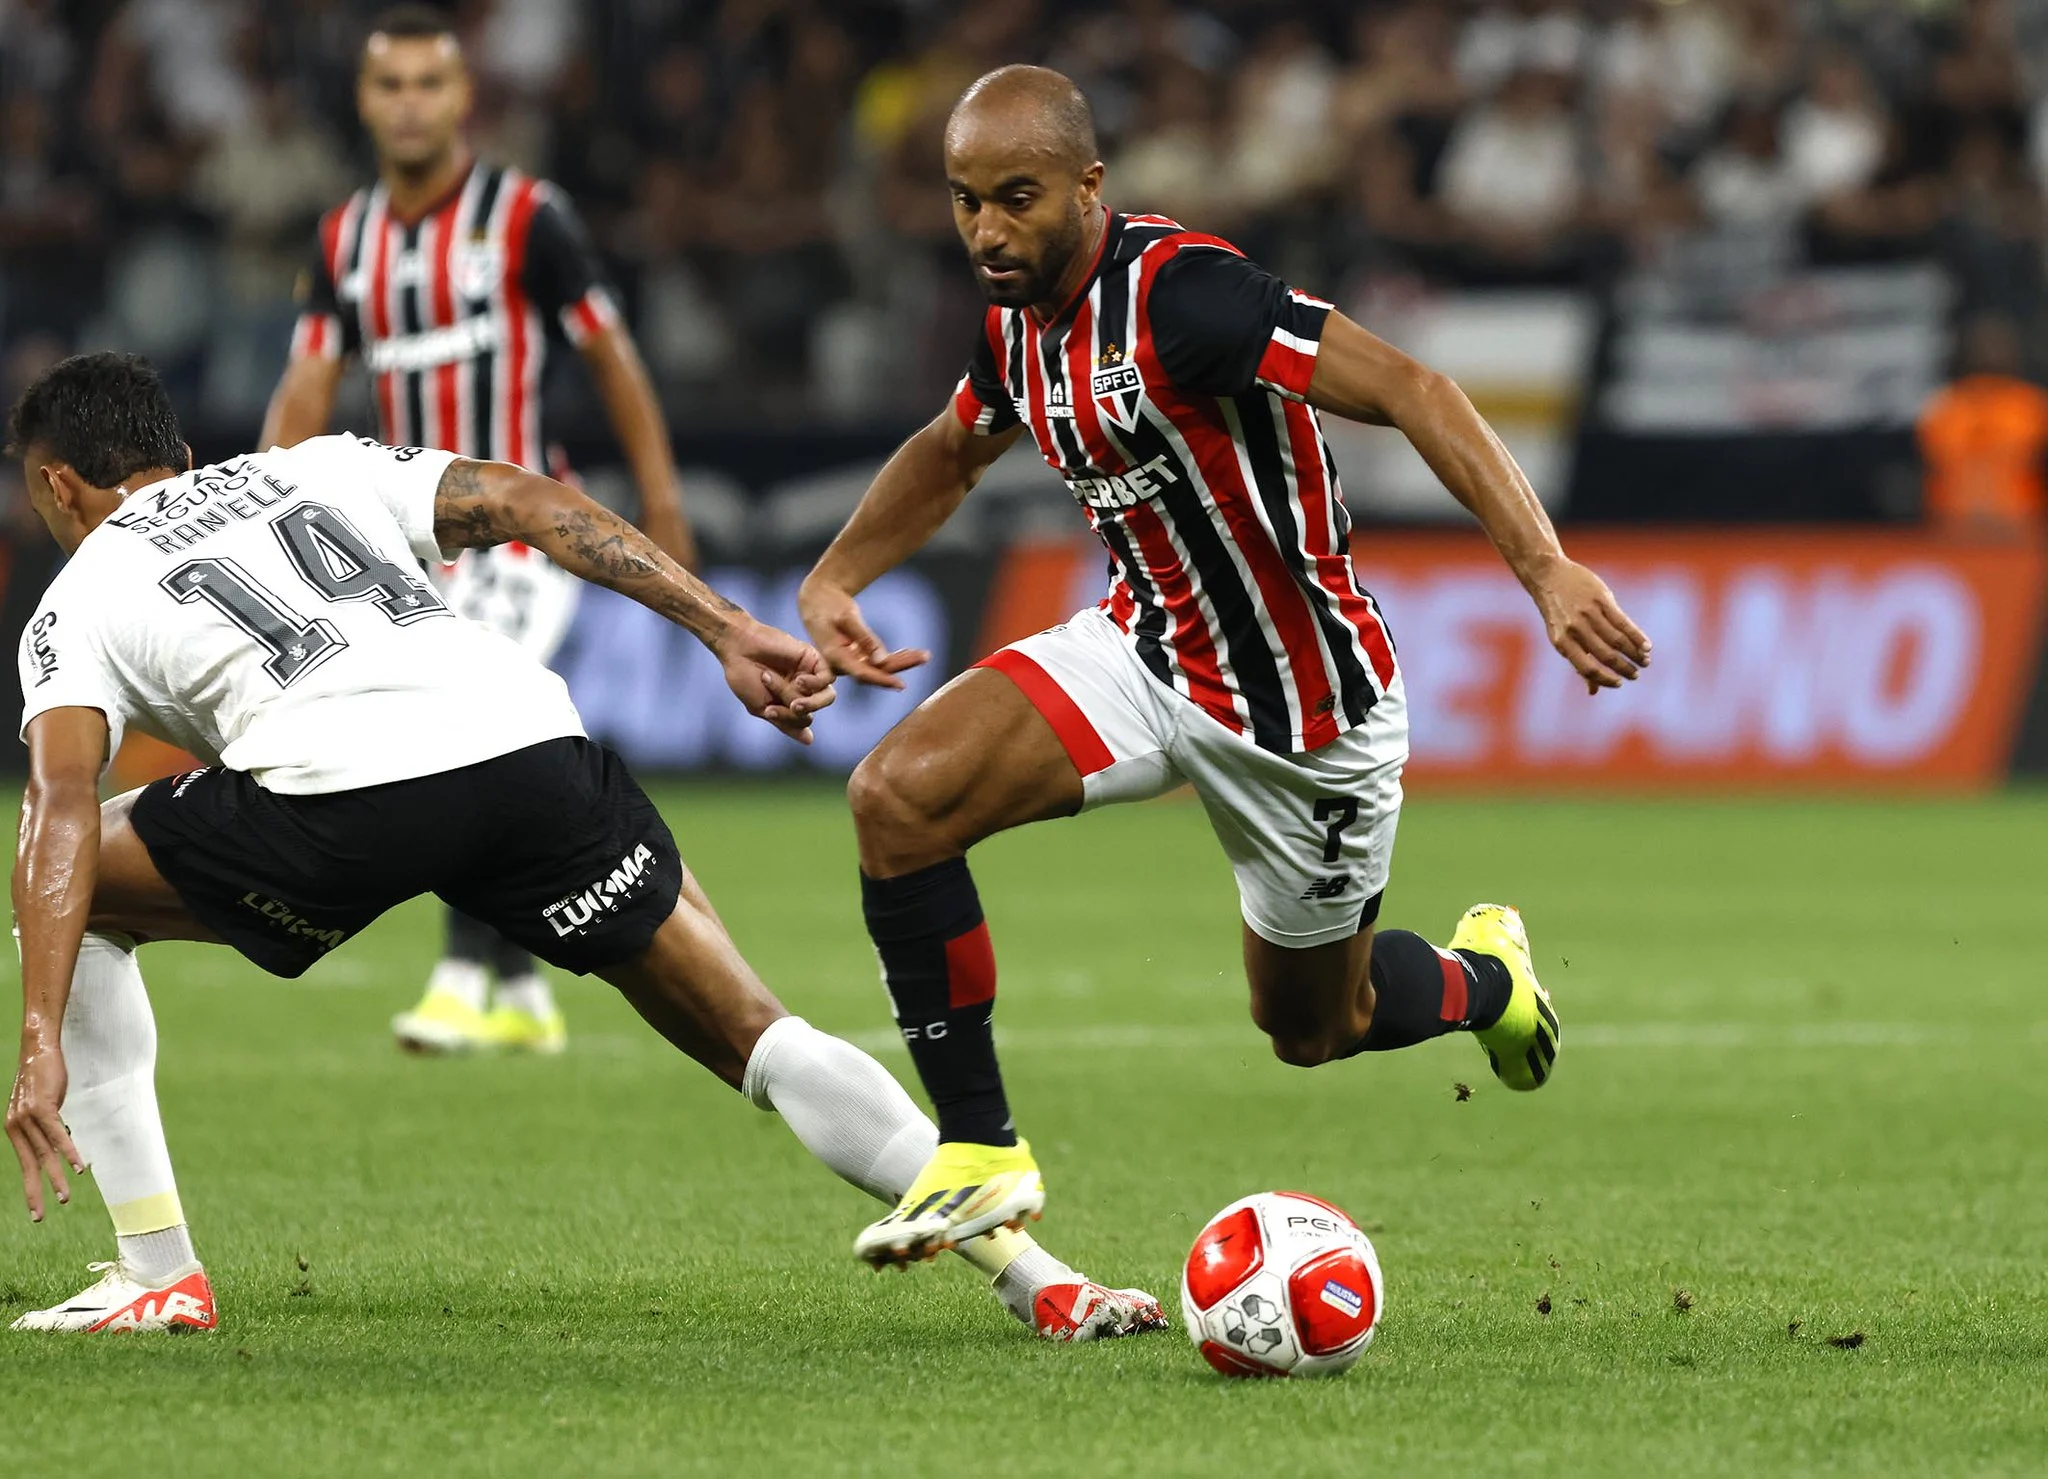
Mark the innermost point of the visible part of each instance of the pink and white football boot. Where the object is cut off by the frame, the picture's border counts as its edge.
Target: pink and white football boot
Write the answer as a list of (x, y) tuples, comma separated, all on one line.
[(120, 1301)]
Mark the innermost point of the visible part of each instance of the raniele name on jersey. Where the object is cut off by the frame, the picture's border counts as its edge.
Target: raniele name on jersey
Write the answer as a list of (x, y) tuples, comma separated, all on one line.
[(1168, 393), (449, 310)]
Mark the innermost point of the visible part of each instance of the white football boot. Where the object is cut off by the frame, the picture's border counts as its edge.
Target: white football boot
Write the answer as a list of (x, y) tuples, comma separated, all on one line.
[(121, 1301)]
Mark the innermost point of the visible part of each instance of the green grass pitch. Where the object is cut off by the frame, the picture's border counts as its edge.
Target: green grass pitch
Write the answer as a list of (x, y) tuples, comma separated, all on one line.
[(1801, 1097)]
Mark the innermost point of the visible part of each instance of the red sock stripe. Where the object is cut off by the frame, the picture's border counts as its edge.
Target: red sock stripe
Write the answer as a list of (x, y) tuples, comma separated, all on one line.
[(1076, 735), (1454, 1008), (970, 968)]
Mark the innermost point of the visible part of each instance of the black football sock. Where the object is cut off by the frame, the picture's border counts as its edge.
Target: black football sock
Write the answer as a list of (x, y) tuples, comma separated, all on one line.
[(468, 940), (941, 973), (1422, 992), (510, 961)]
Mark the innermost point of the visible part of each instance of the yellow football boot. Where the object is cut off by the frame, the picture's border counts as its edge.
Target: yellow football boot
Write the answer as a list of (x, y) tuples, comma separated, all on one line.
[(1522, 1045), (442, 1023), (962, 1192), (515, 1030)]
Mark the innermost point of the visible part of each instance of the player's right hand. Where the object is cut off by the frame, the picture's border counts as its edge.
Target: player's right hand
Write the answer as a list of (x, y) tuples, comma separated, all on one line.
[(833, 619), (779, 678), (36, 1127)]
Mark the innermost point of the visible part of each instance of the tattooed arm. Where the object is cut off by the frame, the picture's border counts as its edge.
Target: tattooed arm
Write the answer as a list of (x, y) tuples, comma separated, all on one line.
[(479, 504)]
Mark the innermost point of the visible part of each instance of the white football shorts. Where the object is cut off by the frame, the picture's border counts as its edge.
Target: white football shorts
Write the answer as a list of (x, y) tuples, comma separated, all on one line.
[(514, 590), (1310, 836)]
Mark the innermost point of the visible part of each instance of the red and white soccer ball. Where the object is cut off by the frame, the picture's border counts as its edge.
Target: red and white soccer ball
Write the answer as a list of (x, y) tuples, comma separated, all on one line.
[(1281, 1284)]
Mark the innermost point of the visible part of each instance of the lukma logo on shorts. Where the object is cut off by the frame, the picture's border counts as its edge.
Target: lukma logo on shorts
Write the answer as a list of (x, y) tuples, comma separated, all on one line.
[(575, 914), (292, 922)]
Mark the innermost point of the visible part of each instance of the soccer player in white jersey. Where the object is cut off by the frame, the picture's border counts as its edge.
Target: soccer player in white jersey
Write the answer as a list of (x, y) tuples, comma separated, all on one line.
[(364, 745), (447, 279), (1175, 387)]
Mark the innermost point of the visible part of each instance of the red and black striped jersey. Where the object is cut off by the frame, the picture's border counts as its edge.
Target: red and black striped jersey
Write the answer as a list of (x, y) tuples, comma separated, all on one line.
[(449, 311), (1169, 395)]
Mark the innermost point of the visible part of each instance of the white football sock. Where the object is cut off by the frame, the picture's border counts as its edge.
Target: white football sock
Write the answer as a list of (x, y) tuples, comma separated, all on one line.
[(110, 1107), (528, 993), (850, 1113), (464, 980), (844, 1106)]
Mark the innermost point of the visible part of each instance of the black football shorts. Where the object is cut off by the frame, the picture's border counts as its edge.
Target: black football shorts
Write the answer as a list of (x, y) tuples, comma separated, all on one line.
[(555, 846)]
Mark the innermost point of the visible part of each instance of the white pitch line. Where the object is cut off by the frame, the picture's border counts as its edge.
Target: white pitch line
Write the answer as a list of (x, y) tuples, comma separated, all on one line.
[(1124, 1037), (1128, 1037)]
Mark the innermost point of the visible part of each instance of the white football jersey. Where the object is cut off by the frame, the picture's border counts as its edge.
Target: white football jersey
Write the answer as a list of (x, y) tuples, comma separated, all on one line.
[(271, 614)]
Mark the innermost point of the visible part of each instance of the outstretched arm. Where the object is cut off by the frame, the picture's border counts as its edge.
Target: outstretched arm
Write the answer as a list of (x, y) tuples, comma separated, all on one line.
[(1363, 378), (479, 504), (916, 491), (56, 865), (635, 413)]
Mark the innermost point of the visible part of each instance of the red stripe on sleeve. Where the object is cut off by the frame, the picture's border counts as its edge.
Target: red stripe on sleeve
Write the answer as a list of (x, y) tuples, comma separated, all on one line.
[(316, 336), (1076, 735), (967, 405), (1287, 369)]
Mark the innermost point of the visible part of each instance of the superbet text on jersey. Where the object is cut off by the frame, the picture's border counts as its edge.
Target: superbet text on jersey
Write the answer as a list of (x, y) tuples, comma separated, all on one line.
[(270, 613)]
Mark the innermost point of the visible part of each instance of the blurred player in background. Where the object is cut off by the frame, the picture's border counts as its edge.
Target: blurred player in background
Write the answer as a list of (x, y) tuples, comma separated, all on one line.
[(1175, 387), (443, 278)]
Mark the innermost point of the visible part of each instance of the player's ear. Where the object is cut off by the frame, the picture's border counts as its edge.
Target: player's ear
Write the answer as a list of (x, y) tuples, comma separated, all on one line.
[(189, 464), (1091, 183), (64, 485)]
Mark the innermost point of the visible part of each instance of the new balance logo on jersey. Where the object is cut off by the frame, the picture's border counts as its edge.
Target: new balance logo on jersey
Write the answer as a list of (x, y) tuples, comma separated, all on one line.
[(575, 914), (1328, 888), (1125, 489), (40, 650)]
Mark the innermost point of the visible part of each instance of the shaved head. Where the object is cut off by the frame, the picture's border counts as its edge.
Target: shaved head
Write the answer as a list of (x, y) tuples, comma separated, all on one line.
[(1038, 110), (1021, 163)]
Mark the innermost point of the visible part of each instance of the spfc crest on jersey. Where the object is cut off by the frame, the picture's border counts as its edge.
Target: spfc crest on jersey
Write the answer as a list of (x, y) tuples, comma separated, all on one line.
[(478, 266), (1117, 388)]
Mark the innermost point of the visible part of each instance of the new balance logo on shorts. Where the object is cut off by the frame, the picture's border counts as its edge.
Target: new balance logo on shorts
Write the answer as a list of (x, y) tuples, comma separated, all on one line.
[(1328, 888), (575, 914)]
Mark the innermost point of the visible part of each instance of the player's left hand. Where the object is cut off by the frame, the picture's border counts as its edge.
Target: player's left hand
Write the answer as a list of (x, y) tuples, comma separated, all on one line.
[(36, 1127), (1588, 627), (777, 677)]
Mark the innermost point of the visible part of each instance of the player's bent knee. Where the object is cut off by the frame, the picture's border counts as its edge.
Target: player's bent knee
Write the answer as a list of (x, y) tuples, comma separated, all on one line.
[(897, 794)]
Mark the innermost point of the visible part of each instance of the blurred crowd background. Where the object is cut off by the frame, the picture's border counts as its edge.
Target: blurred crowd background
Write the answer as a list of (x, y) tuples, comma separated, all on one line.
[(763, 174), (1705, 264)]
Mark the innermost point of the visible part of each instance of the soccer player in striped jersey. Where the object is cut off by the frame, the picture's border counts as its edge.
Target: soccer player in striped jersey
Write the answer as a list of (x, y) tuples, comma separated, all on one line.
[(445, 278), (1176, 388)]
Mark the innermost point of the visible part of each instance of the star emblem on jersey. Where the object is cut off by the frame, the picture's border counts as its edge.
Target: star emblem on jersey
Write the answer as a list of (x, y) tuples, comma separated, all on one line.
[(1110, 355)]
